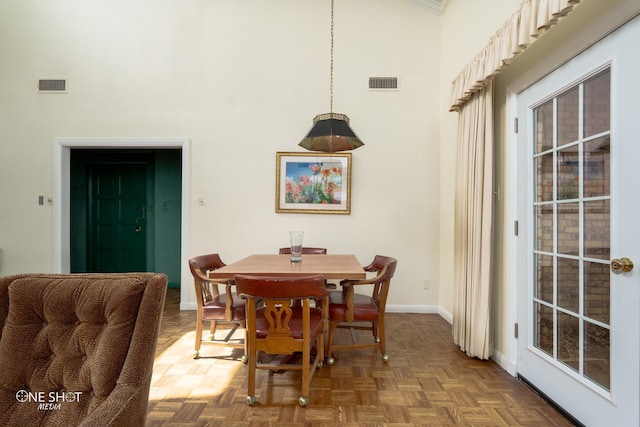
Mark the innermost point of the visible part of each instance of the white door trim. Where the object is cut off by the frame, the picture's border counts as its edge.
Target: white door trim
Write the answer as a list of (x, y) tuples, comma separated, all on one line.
[(62, 196)]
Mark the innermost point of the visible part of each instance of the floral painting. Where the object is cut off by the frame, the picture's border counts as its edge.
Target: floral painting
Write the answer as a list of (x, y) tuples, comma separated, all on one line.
[(313, 182)]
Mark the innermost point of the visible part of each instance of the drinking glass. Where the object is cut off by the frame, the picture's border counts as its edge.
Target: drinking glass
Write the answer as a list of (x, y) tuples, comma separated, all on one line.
[(296, 245)]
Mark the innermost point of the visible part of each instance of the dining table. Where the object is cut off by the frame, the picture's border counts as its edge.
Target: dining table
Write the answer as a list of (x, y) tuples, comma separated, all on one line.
[(331, 266)]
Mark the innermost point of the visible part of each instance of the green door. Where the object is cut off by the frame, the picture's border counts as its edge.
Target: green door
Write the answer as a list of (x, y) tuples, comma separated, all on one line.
[(117, 217)]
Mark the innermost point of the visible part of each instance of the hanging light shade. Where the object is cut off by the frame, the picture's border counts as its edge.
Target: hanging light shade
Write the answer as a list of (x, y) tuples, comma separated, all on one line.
[(331, 131)]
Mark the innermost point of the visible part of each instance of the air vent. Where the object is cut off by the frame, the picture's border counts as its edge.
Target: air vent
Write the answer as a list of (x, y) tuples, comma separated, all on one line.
[(383, 83), (52, 86)]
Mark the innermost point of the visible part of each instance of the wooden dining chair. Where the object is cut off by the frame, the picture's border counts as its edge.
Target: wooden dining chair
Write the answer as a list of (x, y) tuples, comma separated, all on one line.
[(278, 328), (305, 250), (357, 311), (214, 306)]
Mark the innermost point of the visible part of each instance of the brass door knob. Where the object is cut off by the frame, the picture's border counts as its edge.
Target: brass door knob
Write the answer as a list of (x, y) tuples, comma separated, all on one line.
[(622, 265), (138, 228)]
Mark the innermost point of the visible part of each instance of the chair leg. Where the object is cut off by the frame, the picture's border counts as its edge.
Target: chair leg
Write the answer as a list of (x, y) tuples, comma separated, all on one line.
[(245, 356), (383, 340), (196, 347), (212, 332), (251, 375), (329, 345), (306, 371), (320, 349)]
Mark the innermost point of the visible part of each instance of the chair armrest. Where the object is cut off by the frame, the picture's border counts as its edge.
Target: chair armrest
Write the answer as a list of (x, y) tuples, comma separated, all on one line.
[(205, 278), (369, 281), (228, 283), (348, 291), (350, 282)]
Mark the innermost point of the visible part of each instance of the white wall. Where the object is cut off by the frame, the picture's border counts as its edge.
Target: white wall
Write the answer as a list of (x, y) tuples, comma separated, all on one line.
[(241, 80)]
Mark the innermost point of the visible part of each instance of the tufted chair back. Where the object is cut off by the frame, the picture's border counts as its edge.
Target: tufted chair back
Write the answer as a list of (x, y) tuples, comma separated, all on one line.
[(78, 349)]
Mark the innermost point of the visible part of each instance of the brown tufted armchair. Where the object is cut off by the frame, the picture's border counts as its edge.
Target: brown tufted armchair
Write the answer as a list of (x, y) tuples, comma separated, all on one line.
[(78, 349)]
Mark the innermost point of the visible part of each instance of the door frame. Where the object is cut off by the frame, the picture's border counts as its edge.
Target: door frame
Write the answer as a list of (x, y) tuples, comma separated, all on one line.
[(62, 196), (588, 35)]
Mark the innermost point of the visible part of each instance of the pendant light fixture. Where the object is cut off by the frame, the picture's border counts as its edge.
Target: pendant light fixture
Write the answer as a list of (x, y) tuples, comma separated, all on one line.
[(331, 132)]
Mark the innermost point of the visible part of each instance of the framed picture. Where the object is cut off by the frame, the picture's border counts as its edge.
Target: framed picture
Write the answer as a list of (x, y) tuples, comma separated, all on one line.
[(313, 182)]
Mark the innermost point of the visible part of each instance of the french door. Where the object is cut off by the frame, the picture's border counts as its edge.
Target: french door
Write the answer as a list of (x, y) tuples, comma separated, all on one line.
[(579, 217)]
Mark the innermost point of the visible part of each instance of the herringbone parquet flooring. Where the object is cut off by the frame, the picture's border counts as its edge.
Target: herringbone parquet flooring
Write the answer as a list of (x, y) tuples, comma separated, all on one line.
[(428, 381)]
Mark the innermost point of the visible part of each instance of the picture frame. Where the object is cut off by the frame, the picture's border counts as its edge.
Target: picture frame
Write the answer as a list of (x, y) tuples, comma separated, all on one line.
[(313, 182)]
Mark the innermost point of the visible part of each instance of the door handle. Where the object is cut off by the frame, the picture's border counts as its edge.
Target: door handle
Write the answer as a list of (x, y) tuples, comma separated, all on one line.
[(622, 265), (138, 229)]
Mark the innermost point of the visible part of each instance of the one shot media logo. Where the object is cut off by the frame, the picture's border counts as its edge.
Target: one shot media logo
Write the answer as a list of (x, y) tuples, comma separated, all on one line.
[(48, 401)]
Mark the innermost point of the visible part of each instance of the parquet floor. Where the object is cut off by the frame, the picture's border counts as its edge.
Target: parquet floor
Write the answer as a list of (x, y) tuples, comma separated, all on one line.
[(428, 381)]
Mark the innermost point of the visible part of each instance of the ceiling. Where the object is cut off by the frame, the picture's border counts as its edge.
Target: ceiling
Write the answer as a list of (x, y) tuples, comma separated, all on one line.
[(436, 6)]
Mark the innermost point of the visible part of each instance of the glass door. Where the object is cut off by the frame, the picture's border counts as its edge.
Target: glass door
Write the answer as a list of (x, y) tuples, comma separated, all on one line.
[(578, 292), (571, 207)]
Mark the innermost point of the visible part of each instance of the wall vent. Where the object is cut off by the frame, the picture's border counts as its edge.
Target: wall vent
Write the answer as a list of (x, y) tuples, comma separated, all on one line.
[(383, 83), (52, 86)]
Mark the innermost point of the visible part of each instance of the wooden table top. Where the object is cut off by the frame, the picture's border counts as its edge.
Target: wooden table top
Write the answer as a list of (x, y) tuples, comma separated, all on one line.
[(330, 266)]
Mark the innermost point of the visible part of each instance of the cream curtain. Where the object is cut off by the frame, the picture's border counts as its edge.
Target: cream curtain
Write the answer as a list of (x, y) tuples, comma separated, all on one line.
[(472, 97), (473, 219), (531, 20)]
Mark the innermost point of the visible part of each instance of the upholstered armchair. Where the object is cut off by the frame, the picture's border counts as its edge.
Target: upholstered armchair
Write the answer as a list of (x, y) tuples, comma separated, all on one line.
[(78, 349)]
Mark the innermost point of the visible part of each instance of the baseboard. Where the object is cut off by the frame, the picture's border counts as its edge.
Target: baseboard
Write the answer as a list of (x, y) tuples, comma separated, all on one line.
[(188, 305), (413, 309), (508, 365)]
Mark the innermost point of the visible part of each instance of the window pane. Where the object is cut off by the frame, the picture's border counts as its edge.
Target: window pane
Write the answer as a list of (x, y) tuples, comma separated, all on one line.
[(543, 335), (597, 354), (597, 167), (568, 117), (596, 229), (568, 173), (544, 177), (569, 284), (568, 340), (597, 104), (568, 228), (544, 228), (544, 274), (544, 127), (597, 291)]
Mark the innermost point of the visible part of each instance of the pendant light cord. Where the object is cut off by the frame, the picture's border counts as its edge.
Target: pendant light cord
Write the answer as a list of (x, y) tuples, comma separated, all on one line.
[(331, 70)]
